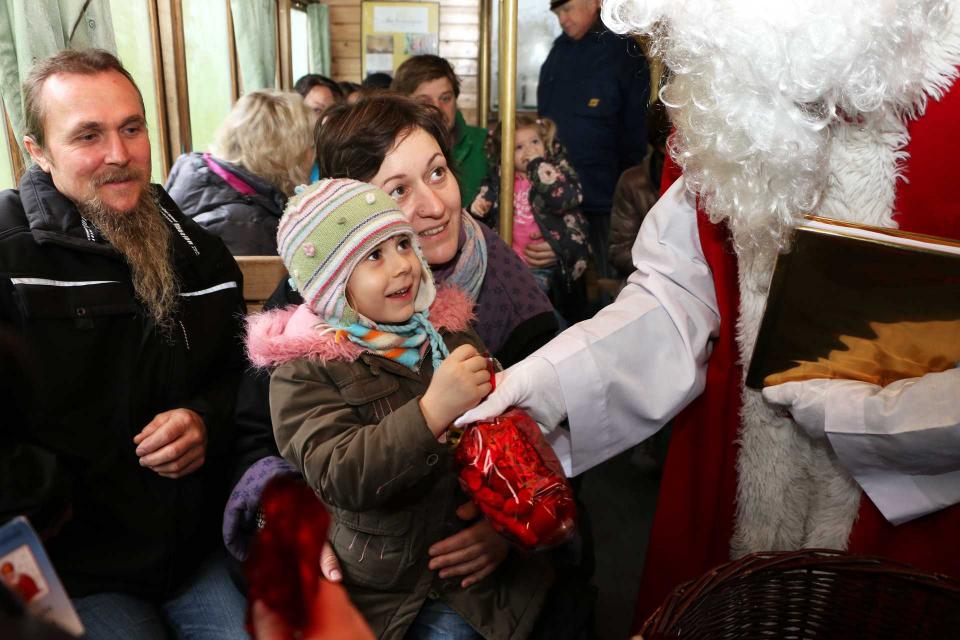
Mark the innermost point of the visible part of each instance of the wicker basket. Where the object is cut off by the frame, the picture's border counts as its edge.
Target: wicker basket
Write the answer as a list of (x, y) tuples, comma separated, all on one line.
[(813, 593)]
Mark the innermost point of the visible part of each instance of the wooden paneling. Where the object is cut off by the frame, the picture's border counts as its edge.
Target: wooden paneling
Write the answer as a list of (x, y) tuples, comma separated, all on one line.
[(468, 32), (459, 15), (260, 277), (458, 49), (345, 31), (345, 15), (344, 48), (464, 67), (345, 69), (459, 43)]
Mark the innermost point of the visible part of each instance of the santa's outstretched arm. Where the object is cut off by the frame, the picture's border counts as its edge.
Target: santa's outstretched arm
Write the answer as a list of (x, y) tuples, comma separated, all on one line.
[(900, 442), (621, 375)]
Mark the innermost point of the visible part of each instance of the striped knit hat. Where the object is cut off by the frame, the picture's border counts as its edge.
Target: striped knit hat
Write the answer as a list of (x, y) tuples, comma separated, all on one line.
[(325, 232)]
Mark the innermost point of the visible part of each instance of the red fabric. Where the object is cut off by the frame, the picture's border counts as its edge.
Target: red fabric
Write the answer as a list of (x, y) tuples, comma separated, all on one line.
[(927, 203), (283, 570), (670, 174), (693, 523)]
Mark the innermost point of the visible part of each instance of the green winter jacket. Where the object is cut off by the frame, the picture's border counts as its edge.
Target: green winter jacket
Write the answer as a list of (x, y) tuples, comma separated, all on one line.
[(470, 158)]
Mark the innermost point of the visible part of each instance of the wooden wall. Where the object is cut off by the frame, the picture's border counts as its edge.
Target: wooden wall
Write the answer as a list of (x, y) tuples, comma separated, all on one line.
[(459, 43)]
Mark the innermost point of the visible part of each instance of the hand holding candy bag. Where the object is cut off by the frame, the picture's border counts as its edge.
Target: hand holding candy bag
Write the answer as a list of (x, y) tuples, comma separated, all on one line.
[(516, 480)]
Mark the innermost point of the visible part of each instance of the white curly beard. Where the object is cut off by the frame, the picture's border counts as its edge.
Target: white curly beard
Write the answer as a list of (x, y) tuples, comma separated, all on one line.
[(780, 109), (758, 86)]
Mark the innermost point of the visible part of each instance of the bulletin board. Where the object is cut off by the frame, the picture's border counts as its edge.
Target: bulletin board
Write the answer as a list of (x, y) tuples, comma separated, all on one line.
[(393, 31)]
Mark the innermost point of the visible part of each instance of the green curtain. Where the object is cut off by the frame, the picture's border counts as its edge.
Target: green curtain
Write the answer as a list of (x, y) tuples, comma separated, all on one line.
[(255, 26), (31, 30), (318, 19)]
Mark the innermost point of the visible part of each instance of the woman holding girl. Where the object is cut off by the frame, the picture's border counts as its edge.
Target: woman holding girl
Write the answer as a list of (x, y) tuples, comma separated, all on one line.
[(368, 375), (401, 146)]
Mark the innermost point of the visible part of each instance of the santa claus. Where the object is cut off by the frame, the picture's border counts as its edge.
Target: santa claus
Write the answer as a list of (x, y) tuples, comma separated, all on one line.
[(843, 108)]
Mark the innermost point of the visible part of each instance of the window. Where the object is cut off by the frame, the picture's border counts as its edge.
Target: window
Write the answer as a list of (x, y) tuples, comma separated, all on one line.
[(299, 43), (6, 165), (209, 69), (537, 28), (190, 88), (134, 33)]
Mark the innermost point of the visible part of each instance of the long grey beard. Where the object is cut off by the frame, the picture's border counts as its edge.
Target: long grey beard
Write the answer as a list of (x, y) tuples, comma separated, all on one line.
[(143, 238)]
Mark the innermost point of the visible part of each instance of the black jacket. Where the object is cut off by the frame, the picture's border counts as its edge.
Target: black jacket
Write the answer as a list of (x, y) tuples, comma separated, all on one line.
[(246, 223), (104, 371), (596, 90)]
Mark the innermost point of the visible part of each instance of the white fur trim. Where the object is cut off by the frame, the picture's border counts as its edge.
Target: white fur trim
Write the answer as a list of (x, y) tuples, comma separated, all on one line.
[(793, 492)]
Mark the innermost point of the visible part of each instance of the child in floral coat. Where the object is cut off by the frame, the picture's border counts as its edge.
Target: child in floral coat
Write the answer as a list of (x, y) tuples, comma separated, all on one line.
[(546, 203)]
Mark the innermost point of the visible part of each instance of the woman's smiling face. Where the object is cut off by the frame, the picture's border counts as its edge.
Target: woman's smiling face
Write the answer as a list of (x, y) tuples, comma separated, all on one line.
[(416, 175)]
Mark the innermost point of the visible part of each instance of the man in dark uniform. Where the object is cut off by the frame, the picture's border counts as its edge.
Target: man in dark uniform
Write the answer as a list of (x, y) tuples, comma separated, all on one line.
[(595, 85)]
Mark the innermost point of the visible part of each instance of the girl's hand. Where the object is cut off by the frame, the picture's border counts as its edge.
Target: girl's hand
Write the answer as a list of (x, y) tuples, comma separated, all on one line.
[(480, 207), (458, 385)]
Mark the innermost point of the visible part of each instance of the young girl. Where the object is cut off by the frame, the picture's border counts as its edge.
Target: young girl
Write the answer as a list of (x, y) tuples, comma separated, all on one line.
[(546, 201), (370, 372)]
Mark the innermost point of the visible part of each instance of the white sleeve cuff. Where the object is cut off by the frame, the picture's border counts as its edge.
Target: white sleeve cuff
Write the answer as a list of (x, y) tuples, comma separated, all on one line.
[(901, 444)]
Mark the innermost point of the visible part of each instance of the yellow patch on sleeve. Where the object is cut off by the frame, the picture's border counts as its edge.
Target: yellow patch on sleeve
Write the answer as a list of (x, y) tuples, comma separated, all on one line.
[(593, 102)]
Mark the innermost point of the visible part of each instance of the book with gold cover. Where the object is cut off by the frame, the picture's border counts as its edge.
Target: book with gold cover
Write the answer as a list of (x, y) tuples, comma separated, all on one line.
[(860, 303)]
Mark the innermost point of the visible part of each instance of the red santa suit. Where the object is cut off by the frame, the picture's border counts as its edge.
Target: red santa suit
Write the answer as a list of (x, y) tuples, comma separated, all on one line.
[(881, 475), (696, 518)]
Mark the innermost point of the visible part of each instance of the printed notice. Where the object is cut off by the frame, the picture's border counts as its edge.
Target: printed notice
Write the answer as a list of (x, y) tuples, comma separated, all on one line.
[(401, 19)]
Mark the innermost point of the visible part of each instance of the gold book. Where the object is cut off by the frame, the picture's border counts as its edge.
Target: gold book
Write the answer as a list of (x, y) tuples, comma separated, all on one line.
[(860, 303)]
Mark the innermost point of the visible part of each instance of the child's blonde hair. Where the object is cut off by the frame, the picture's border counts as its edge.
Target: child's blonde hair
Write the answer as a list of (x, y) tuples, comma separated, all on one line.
[(546, 129)]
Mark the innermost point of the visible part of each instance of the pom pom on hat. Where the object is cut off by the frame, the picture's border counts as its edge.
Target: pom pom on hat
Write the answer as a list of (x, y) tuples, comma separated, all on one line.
[(327, 229)]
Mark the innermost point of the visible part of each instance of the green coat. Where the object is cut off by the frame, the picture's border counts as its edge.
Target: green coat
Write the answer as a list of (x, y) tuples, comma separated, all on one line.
[(470, 158), (355, 430)]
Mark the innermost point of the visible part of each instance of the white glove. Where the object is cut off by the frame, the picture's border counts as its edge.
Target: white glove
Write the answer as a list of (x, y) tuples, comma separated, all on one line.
[(531, 385), (806, 401)]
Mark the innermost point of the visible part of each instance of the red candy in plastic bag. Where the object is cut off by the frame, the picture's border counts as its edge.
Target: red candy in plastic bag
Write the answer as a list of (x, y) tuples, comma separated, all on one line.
[(514, 477)]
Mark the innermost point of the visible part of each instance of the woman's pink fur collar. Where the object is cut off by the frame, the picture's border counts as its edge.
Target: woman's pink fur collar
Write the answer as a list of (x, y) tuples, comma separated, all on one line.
[(280, 335)]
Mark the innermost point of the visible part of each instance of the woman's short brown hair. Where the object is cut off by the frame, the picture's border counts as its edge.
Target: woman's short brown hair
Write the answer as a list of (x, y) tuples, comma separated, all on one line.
[(423, 68), (353, 139)]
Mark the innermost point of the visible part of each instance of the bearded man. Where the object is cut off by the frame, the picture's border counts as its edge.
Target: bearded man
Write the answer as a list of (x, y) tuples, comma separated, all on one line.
[(844, 108), (129, 313)]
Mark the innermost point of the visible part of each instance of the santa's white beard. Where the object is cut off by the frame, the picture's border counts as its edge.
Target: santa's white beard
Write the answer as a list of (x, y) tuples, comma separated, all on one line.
[(780, 110), (759, 85)]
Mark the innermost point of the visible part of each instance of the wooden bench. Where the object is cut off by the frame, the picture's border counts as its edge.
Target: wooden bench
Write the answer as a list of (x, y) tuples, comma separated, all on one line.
[(260, 277)]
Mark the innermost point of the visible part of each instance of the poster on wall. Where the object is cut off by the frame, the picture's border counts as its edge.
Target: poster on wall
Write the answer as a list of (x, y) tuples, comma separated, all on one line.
[(394, 31)]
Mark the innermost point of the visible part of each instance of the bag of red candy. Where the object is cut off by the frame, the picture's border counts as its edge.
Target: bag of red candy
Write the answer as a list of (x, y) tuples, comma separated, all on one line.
[(516, 480)]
